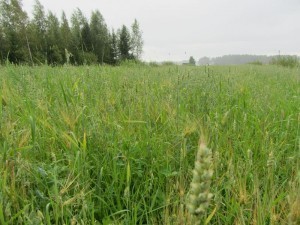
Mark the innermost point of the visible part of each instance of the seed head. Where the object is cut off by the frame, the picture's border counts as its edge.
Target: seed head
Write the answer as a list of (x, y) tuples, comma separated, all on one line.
[(200, 196)]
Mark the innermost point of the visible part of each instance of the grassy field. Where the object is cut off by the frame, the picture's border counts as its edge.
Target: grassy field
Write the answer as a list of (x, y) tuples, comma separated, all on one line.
[(117, 145)]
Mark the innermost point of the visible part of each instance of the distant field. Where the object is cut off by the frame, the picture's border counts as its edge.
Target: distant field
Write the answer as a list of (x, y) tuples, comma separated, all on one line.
[(117, 145)]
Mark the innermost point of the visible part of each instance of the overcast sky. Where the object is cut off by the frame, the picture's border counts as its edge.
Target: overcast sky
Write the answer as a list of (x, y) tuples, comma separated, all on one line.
[(177, 29)]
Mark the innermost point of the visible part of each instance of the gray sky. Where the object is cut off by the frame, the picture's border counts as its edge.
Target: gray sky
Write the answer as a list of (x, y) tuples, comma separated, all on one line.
[(177, 29)]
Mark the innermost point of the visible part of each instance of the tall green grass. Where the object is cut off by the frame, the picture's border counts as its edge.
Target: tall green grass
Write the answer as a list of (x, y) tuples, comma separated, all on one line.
[(117, 145)]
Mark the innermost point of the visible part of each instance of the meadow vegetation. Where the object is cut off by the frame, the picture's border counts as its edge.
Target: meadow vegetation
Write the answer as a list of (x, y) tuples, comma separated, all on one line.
[(117, 145)]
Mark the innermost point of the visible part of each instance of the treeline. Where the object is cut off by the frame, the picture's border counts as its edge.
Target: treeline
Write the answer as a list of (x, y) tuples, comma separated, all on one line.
[(245, 59), (45, 39)]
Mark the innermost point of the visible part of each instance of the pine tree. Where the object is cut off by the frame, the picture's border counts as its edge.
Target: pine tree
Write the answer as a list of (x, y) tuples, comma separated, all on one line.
[(89, 56), (86, 37), (113, 49), (124, 43)]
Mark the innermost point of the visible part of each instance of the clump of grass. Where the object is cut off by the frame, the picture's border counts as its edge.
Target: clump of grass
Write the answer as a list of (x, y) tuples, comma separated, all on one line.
[(294, 202), (200, 196)]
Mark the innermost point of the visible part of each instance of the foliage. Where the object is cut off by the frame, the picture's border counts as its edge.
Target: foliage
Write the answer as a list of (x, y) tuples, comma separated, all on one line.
[(192, 61), (286, 61), (113, 49), (38, 28), (124, 44), (13, 21), (136, 41), (100, 37), (66, 38), (89, 58), (45, 39)]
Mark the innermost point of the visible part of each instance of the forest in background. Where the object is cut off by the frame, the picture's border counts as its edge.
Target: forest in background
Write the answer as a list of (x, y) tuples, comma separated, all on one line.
[(46, 39), (250, 59)]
